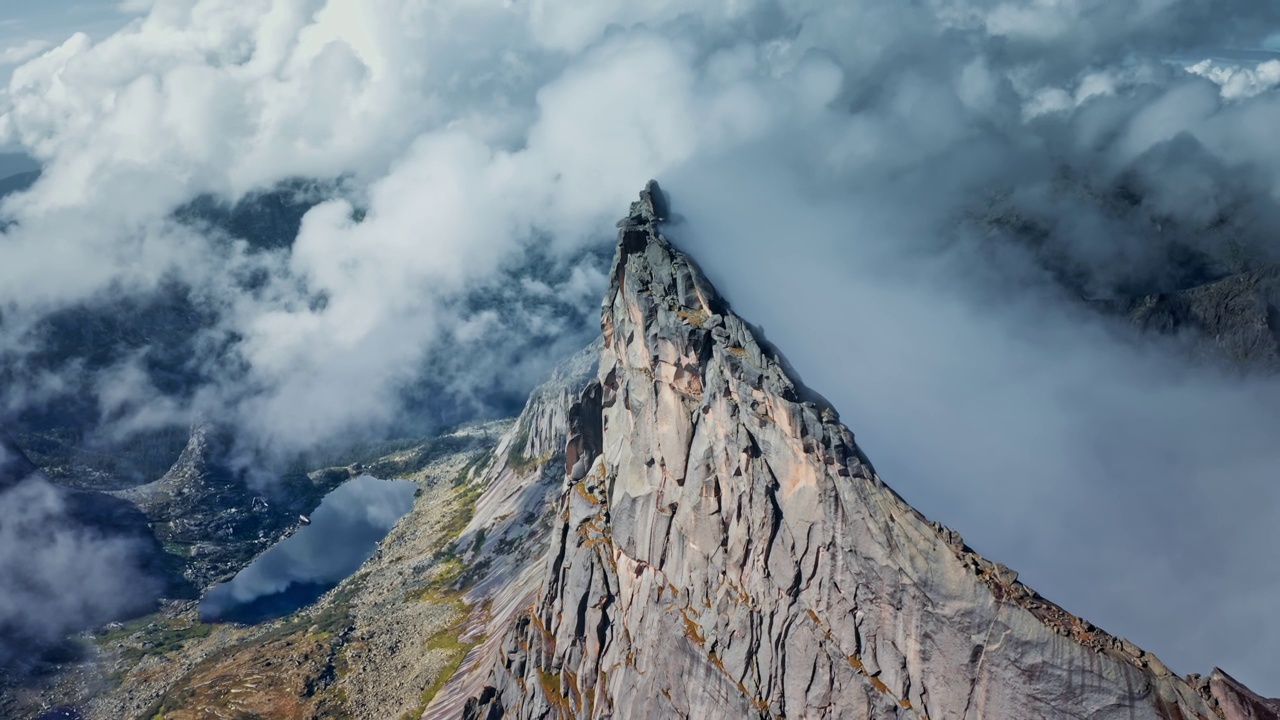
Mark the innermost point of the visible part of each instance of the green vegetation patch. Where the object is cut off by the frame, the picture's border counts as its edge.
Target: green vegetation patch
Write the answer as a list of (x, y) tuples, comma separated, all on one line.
[(517, 460), (450, 575), (465, 497), (440, 586), (165, 639), (448, 641), (181, 549), (117, 632), (336, 615)]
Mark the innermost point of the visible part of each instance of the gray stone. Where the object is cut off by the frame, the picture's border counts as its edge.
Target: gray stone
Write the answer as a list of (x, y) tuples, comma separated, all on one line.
[(730, 552), (1235, 318)]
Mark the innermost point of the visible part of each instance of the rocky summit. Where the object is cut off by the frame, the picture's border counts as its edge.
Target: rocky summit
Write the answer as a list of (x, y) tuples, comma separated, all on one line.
[(674, 527), (720, 547)]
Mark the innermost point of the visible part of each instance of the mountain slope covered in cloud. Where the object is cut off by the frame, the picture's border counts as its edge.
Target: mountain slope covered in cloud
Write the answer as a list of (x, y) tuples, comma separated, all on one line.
[(69, 561), (912, 198)]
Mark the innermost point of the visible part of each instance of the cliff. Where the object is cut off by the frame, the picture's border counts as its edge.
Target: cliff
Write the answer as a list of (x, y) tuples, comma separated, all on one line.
[(1236, 318), (720, 547)]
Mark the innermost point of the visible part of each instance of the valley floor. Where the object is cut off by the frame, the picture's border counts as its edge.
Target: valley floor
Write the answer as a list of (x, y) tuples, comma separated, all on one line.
[(377, 647)]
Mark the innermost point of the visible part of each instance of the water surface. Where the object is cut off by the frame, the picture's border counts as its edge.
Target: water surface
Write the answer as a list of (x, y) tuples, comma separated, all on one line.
[(344, 532)]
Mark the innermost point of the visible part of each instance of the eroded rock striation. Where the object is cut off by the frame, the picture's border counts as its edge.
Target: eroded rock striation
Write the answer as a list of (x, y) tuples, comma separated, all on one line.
[(505, 541), (720, 547)]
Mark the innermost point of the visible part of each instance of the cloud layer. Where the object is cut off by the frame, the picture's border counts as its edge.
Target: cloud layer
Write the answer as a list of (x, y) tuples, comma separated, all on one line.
[(899, 192), (63, 566)]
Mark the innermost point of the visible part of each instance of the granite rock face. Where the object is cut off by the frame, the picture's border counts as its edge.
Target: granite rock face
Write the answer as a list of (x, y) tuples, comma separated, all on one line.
[(507, 534), (505, 542), (720, 547)]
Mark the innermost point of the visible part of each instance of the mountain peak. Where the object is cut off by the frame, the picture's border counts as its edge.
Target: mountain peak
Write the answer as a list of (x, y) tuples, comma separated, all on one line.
[(717, 524), (651, 208)]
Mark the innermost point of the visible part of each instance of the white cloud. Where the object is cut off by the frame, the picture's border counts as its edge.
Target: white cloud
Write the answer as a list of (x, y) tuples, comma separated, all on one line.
[(348, 525), (472, 136), (22, 51), (1238, 82), (59, 574)]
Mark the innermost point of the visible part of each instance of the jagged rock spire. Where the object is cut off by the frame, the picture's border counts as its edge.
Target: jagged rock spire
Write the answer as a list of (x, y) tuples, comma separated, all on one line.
[(724, 549)]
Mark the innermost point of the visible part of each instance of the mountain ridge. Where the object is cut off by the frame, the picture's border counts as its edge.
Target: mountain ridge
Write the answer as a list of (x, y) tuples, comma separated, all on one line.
[(716, 522), (674, 526)]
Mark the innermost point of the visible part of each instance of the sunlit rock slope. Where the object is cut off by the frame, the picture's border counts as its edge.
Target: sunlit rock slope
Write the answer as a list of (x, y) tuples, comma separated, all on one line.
[(720, 547)]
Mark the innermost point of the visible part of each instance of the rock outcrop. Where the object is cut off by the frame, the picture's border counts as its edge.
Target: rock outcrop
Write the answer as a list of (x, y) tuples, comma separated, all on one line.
[(720, 547), (211, 521), (506, 539), (1236, 318)]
